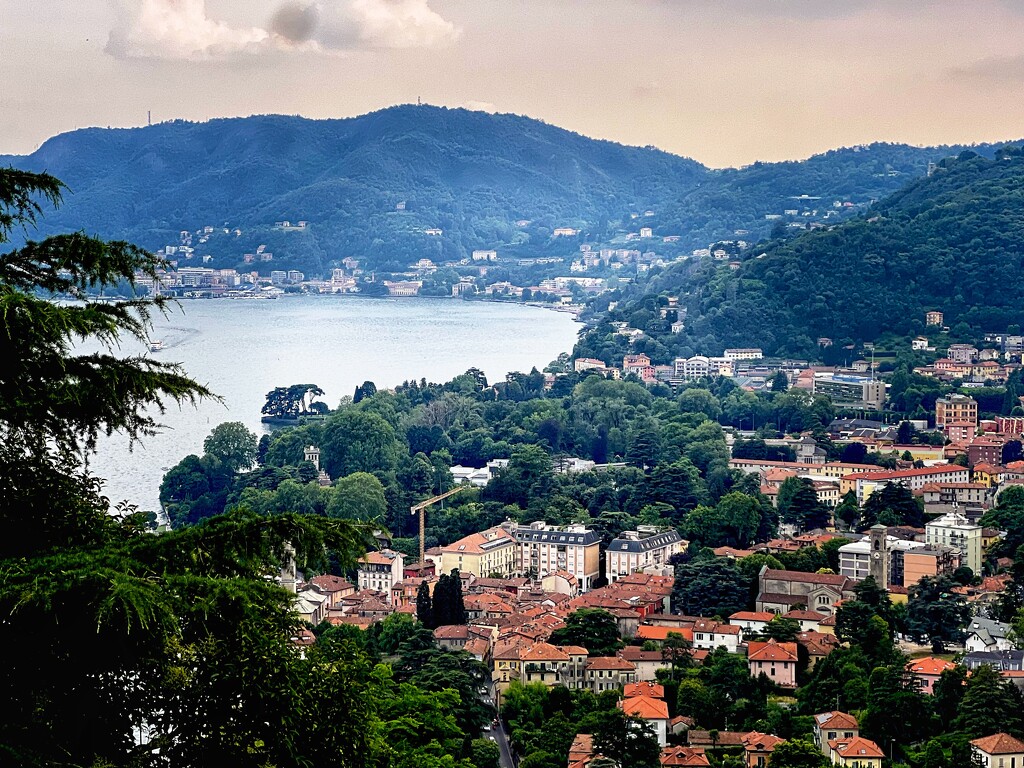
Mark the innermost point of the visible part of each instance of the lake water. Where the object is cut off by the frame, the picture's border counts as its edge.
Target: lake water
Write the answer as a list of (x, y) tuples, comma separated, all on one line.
[(243, 349)]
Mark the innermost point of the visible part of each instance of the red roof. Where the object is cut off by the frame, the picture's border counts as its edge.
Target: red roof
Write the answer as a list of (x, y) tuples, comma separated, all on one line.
[(684, 756), (837, 720), (653, 690), (856, 747), (610, 662), (897, 474), (771, 651), (929, 665), (999, 744), (648, 632), (645, 707)]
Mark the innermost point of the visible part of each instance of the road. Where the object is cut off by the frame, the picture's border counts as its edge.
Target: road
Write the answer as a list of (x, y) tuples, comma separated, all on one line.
[(498, 734)]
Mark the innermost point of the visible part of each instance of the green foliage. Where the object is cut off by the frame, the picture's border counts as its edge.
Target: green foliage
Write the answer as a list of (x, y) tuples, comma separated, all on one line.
[(233, 445), (359, 496), (797, 753), (989, 705), (935, 612), (592, 628), (448, 606), (710, 588)]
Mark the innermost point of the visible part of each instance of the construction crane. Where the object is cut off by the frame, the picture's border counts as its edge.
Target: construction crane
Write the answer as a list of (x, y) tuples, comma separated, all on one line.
[(421, 508)]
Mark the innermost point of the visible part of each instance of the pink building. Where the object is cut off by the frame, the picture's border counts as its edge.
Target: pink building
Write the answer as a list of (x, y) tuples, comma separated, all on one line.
[(776, 660)]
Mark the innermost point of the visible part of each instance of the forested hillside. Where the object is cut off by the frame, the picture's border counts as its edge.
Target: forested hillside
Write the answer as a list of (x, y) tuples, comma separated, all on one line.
[(485, 181), (953, 242)]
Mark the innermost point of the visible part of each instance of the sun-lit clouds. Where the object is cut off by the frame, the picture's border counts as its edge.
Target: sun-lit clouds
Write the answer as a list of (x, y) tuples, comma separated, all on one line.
[(186, 29)]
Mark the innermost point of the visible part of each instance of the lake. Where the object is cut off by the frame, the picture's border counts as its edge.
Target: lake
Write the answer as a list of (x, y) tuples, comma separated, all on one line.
[(243, 349)]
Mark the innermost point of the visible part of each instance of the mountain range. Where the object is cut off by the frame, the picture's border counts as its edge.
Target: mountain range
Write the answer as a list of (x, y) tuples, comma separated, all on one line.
[(370, 186)]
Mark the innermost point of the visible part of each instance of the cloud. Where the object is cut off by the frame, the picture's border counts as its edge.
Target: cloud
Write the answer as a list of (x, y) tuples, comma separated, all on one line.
[(184, 29), (178, 29), (997, 69)]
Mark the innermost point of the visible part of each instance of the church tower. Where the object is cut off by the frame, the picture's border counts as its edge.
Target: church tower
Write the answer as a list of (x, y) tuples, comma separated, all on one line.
[(878, 557), (313, 456)]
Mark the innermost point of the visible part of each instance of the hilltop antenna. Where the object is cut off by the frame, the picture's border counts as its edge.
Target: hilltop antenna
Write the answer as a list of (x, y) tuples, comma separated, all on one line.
[(149, 117), (419, 103)]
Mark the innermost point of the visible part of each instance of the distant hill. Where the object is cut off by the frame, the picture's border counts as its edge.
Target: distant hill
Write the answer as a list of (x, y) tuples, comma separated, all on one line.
[(953, 242), (470, 174), (475, 176)]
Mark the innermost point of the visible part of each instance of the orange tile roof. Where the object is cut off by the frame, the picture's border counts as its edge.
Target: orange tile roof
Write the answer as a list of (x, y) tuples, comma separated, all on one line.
[(771, 651), (857, 747), (929, 665), (836, 719), (752, 616), (761, 742), (684, 756), (653, 690), (610, 662), (543, 652), (804, 615), (645, 707)]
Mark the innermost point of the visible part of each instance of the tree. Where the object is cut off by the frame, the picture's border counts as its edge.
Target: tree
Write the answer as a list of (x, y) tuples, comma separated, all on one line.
[(293, 401), (109, 629), (710, 588), (779, 382), (629, 741), (359, 496), (936, 612), (989, 705), (356, 440), (592, 628), (782, 630), (485, 753), (892, 504), (424, 606), (797, 753), (448, 606), (233, 444)]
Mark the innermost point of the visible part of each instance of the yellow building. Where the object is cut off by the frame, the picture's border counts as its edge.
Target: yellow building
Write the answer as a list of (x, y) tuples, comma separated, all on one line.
[(489, 552)]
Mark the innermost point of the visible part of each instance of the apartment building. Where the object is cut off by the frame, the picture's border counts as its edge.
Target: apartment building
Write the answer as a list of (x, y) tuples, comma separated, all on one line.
[(955, 409), (646, 549), (380, 571), (544, 549), (482, 554), (955, 530)]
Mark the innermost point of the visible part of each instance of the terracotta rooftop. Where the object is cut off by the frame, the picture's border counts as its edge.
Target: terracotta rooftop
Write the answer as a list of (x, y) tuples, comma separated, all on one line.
[(329, 583), (684, 756), (645, 707), (610, 663), (836, 719), (652, 690), (771, 651), (804, 615), (831, 579), (929, 665), (858, 747), (752, 616), (543, 652)]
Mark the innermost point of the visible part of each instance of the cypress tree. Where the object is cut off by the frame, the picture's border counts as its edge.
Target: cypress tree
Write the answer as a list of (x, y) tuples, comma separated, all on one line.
[(424, 607)]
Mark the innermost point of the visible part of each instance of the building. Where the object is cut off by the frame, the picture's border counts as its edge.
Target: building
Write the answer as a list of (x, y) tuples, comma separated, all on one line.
[(955, 530), (758, 748), (609, 673), (380, 571), (654, 711), (744, 354), (834, 726), (545, 549), (1000, 750), (987, 635), (850, 391), (493, 551), (776, 660), (962, 353), (709, 634), (646, 549), (782, 591), (857, 752), (955, 409), (927, 671), (933, 317), (866, 483)]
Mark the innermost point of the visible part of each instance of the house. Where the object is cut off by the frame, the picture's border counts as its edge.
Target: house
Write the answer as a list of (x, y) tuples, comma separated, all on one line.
[(928, 670), (774, 659), (1000, 750), (808, 619), (758, 748), (654, 711), (856, 753), (709, 634), (753, 622), (482, 554), (683, 756), (834, 726), (653, 690), (817, 644), (609, 673), (987, 635)]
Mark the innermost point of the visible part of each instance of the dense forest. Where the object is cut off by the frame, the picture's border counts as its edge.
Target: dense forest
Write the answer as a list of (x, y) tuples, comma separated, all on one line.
[(951, 242), (475, 176)]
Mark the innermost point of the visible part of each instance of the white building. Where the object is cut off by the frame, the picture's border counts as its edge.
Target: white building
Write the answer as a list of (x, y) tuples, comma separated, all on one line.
[(955, 530), (545, 549), (646, 549), (744, 354), (380, 571)]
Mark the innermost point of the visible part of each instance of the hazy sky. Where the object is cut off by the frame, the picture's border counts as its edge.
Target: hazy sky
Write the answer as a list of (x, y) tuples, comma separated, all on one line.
[(724, 81)]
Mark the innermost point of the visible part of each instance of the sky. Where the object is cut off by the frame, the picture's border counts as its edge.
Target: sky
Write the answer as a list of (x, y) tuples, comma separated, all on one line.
[(726, 82)]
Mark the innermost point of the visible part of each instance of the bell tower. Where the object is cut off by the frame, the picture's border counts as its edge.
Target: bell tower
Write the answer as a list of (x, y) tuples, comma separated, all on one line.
[(878, 555), (313, 456)]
